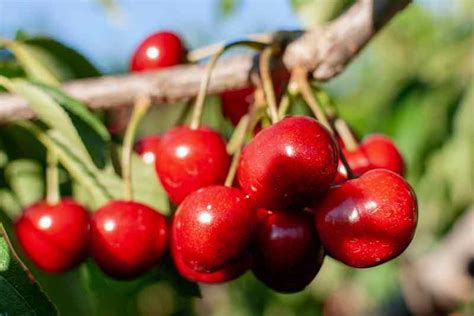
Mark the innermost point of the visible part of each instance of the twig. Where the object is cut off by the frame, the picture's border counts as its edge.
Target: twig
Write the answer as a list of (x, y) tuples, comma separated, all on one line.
[(323, 51)]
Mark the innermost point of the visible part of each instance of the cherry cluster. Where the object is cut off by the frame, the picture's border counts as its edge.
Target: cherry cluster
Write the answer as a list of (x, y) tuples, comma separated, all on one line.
[(294, 201)]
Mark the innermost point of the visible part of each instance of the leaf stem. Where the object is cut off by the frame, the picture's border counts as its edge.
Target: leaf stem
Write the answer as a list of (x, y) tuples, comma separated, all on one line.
[(141, 106), (52, 182)]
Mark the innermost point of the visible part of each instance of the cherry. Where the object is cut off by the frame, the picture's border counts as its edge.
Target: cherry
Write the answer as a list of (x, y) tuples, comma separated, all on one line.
[(287, 253), (54, 236), (225, 274), (368, 220), (375, 151), (213, 228), (236, 103), (147, 148), (189, 159), (127, 238), (383, 153), (159, 50), (288, 163)]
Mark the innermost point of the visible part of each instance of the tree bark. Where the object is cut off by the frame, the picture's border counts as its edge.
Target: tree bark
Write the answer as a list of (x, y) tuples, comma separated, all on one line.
[(323, 51)]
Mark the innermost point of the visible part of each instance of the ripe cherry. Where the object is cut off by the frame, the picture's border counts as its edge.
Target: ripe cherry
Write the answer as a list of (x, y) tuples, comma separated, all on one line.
[(159, 50), (213, 228), (225, 274), (127, 238), (147, 147), (288, 163), (369, 220), (54, 236), (236, 103), (287, 253), (189, 159), (375, 151)]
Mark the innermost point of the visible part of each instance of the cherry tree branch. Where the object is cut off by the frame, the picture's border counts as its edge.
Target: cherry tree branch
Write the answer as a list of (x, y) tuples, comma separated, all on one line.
[(323, 51)]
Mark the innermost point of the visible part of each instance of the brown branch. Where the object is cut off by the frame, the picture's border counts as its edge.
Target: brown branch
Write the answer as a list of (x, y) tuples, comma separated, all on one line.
[(324, 51)]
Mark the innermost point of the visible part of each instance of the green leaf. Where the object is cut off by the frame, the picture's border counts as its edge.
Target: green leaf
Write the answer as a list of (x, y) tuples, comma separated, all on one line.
[(19, 292), (25, 178), (50, 112), (32, 61), (92, 131), (73, 64), (68, 156), (9, 205)]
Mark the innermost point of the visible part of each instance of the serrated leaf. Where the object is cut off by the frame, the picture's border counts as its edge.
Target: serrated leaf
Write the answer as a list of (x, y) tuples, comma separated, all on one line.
[(19, 292), (25, 178), (29, 58)]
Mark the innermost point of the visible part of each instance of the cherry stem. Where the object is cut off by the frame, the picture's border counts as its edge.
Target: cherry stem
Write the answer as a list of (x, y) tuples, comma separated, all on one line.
[(201, 97), (52, 182), (343, 130), (301, 77), (142, 104), (284, 106), (267, 83), (248, 123), (350, 173)]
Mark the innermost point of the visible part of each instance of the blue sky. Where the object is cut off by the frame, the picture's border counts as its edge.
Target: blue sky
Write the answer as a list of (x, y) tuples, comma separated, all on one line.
[(108, 40)]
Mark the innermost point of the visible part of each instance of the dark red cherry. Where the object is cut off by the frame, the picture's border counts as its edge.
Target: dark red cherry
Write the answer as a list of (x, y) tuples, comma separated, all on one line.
[(127, 238), (159, 50), (236, 103), (147, 148), (54, 237), (225, 274), (190, 159), (288, 163), (287, 254), (375, 151), (213, 228), (369, 220)]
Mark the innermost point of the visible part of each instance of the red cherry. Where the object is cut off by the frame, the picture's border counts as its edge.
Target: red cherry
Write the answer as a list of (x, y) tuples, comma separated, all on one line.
[(54, 237), (236, 103), (369, 220), (213, 228), (288, 163), (287, 253), (159, 50), (225, 274), (190, 159), (375, 151), (147, 148), (383, 153), (127, 238)]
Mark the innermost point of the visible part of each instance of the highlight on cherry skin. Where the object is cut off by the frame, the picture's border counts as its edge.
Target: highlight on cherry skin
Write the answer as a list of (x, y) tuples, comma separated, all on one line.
[(147, 148), (282, 167), (223, 218), (127, 238), (368, 220), (189, 159), (158, 50), (287, 253), (54, 236)]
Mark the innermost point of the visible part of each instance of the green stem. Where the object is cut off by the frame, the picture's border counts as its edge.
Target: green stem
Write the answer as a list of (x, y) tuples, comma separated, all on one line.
[(343, 130), (140, 108), (201, 97), (52, 182), (267, 84)]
